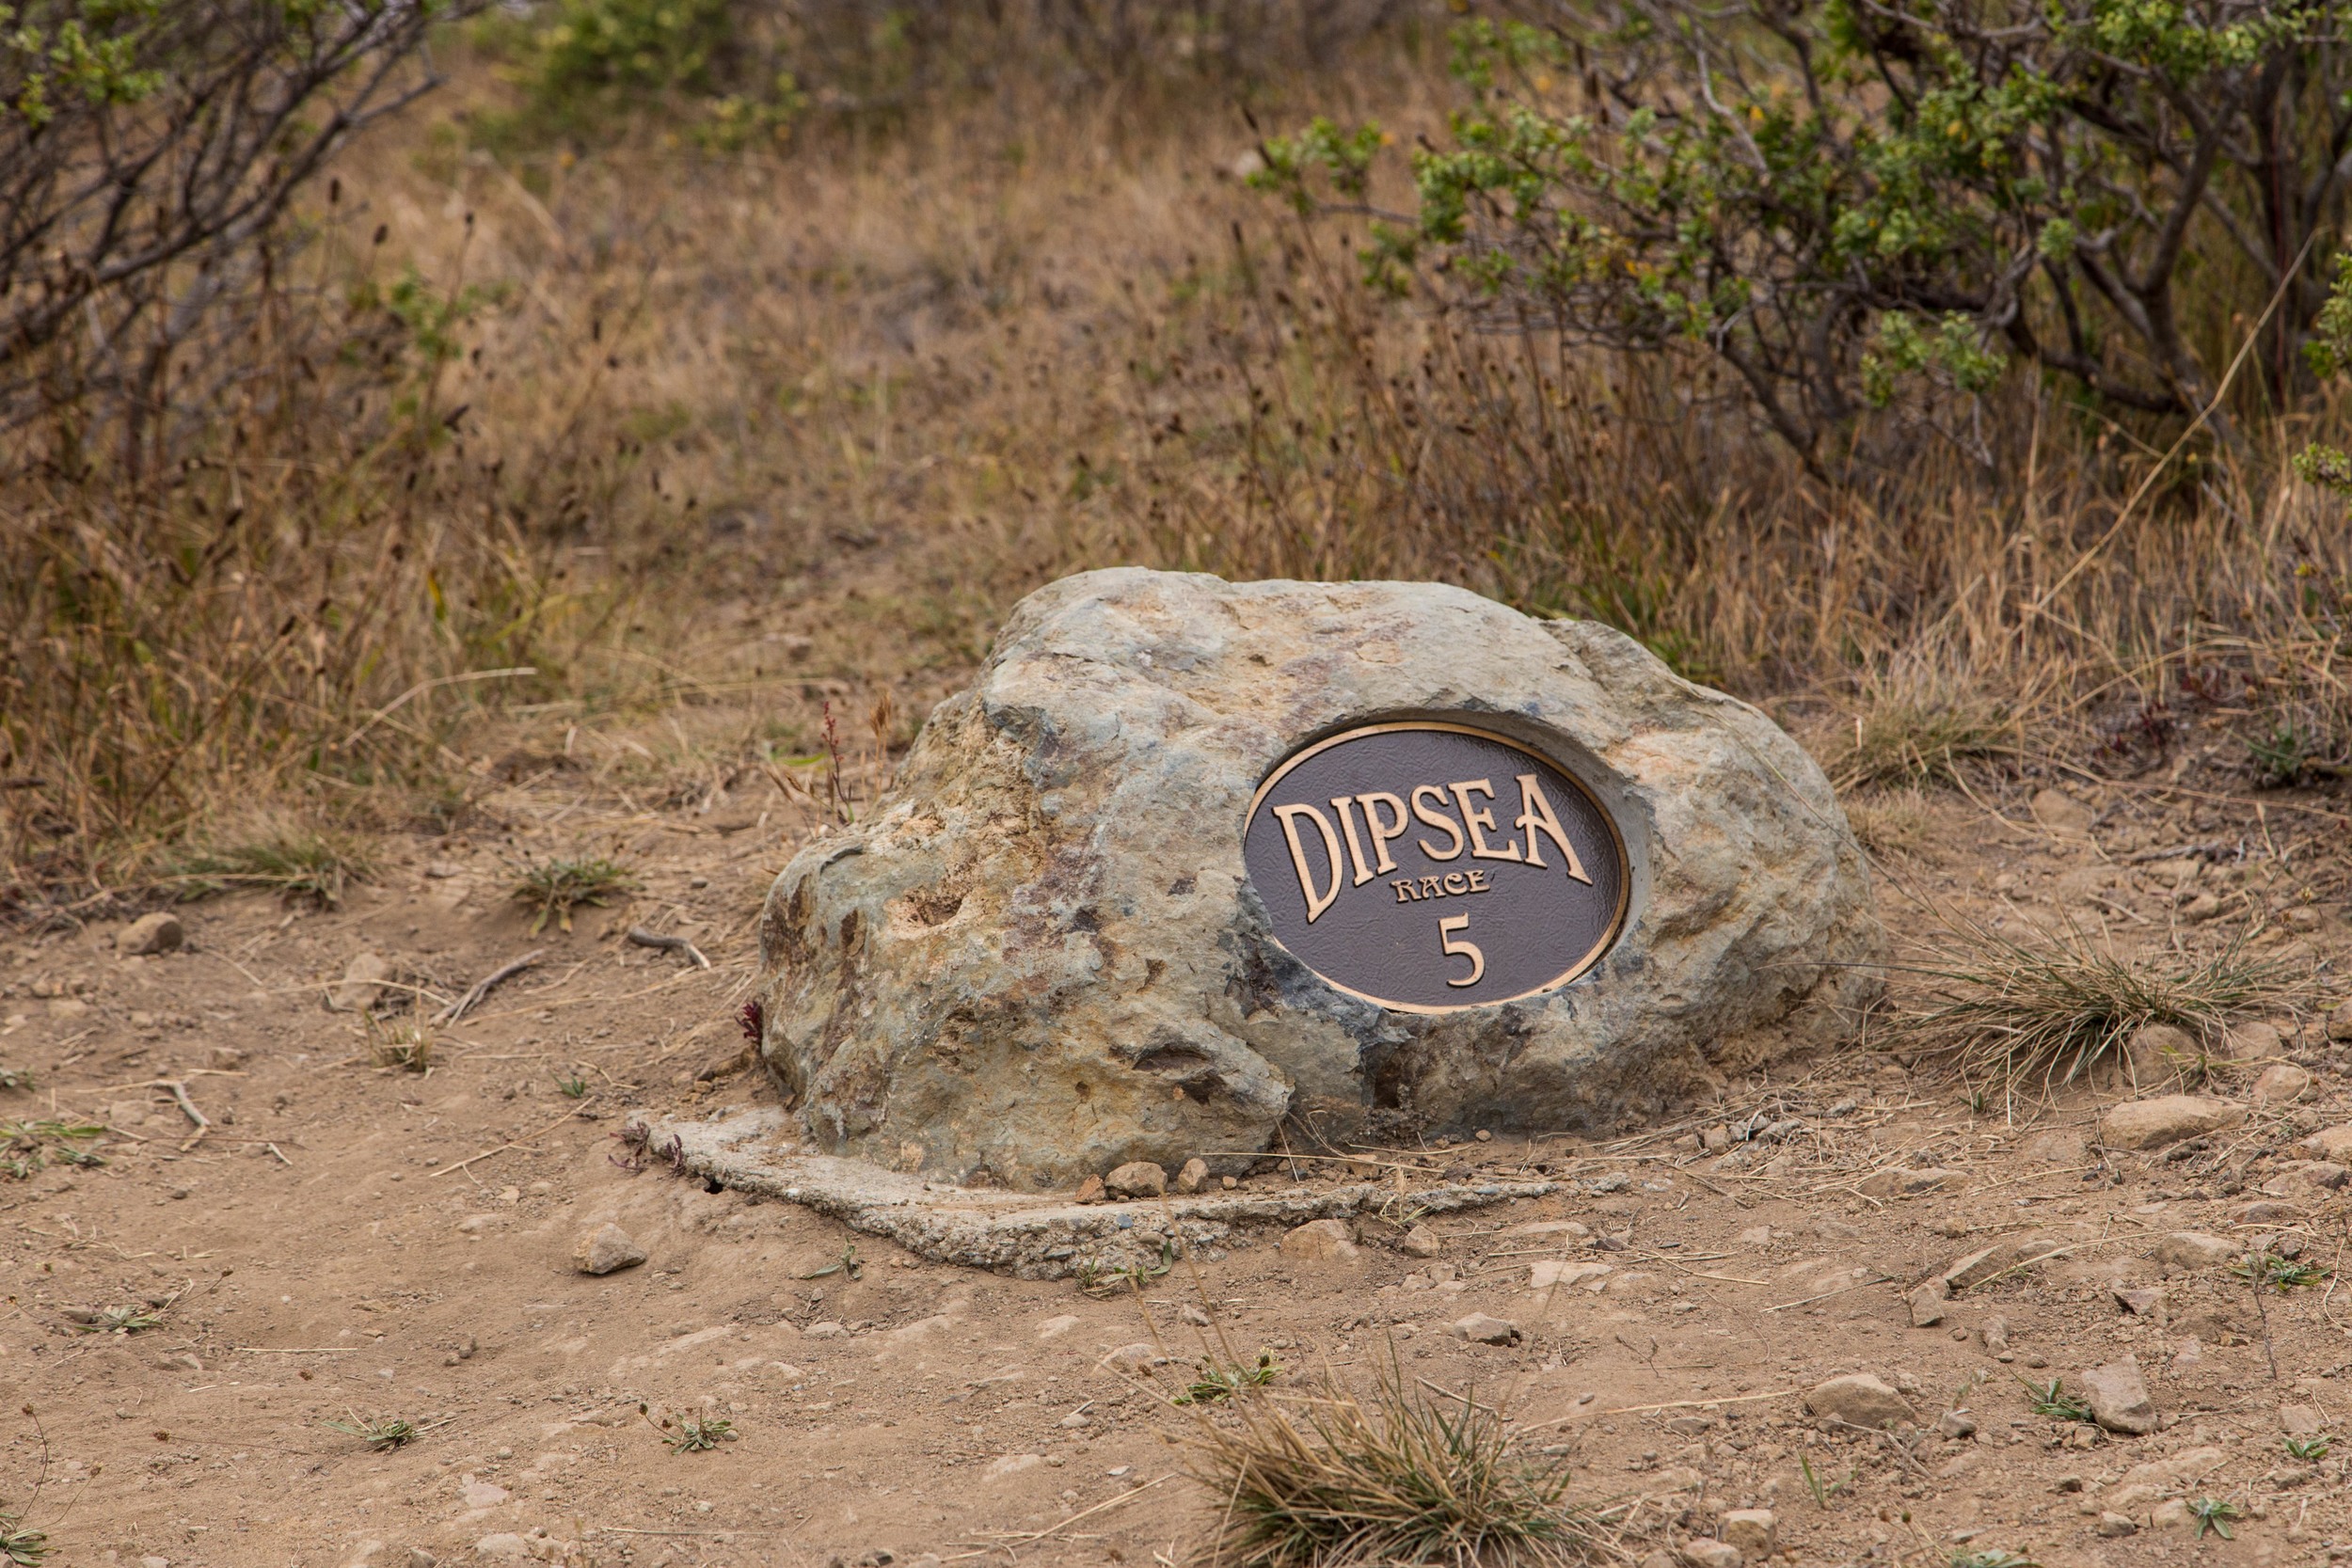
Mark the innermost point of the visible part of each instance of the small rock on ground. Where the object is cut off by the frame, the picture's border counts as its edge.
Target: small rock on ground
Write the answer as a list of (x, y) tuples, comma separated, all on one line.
[(2062, 813), (2194, 1249), (1705, 1552), (150, 934), (1137, 1179), (2301, 1420), (1754, 1530), (1193, 1177), (1421, 1242), (1320, 1241), (2138, 1124), (362, 985), (2119, 1398), (606, 1249), (1481, 1329), (2340, 1024), (2329, 1143), (2115, 1526), (1859, 1399), (2282, 1083)]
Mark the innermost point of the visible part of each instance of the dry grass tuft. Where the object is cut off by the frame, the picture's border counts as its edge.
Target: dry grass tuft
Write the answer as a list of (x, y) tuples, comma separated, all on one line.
[(405, 1046), (309, 865), (2011, 1012), (1914, 728), (1407, 1480)]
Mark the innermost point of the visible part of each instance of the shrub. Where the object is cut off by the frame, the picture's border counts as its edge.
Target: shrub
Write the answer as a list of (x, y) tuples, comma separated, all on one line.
[(1850, 202)]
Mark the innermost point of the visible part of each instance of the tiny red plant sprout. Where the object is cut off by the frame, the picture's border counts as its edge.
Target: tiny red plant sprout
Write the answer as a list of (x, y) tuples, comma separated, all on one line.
[(753, 1018)]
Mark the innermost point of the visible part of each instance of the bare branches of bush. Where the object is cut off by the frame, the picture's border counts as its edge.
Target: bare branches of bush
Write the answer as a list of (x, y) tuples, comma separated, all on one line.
[(146, 150)]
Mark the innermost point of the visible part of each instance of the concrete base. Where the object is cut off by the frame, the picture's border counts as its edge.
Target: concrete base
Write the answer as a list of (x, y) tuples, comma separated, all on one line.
[(1032, 1236)]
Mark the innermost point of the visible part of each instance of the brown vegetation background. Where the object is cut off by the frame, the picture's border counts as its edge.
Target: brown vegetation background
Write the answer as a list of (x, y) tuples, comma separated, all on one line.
[(532, 443)]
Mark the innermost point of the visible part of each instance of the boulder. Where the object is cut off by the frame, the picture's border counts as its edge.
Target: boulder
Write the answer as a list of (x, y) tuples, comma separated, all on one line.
[(607, 1249), (2118, 1395), (1859, 1400), (1042, 954), (2142, 1124), (148, 935)]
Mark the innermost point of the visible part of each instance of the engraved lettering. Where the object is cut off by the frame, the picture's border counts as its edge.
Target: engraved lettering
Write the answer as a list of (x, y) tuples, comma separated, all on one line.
[(1464, 949), (1478, 880), (1345, 806), (1535, 816), (1456, 882), (1316, 903), (1435, 816), (1383, 837), (1431, 887), (1406, 892), (1480, 819)]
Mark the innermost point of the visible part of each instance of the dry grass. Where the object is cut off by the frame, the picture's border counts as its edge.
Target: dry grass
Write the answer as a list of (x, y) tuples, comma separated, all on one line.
[(1327, 1480), (2045, 1013), (532, 479)]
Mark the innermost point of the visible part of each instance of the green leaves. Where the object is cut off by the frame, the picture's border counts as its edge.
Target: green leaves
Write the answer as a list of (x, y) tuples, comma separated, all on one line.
[(1855, 207)]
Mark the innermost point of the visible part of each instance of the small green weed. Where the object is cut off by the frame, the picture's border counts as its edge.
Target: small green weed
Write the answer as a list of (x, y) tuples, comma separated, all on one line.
[(383, 1433), (2211, 1513), (555, 888), (1094, 1280), (302, 865), (1823, 1491), (1217, 1383), (2312, 1449), (848, 1263), (15, 1078), (693, 1433), (20, 1545), (27, 1147), (118, 1320), (2052, 1400), (2268, 1270), (574, 1087)]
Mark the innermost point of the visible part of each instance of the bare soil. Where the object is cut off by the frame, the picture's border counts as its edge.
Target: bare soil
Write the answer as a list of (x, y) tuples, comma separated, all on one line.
[(348, 1241)]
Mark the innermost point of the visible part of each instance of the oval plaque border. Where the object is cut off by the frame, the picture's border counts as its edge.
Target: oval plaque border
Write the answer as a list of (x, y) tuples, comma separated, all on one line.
[(1616, 838)]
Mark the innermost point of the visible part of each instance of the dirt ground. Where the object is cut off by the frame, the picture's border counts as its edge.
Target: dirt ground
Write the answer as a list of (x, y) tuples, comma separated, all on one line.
[(349, 1241)]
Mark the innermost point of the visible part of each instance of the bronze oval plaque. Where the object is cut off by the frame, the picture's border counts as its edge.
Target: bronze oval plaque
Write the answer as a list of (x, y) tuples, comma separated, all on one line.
[(1428, 866)]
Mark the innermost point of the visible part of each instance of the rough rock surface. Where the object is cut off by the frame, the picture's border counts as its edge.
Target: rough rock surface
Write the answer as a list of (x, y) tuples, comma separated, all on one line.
[(1859, 1399), (2118, 1394), (150, 934), (605, 1250), (754, 1150), (1040, 957), (2166, 1120), (2194, 1249)]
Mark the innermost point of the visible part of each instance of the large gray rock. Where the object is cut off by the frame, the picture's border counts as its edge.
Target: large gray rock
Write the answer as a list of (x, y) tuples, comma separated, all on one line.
[(1040, 957)]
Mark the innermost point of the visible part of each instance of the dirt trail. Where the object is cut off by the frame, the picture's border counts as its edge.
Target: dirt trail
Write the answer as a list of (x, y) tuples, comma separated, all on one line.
[(348, 1241)]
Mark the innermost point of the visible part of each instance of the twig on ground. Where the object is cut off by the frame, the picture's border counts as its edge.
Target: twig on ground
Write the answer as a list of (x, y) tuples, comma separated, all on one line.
[(487, 984), (517, 1143), (643, 938)]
